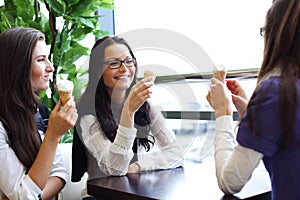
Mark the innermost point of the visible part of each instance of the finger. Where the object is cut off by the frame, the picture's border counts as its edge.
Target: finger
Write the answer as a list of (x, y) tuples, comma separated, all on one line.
[(147, 84), (214, 80), (146, 93), (208, 98), (148, 79), (57, 106), (67, 107), (73, 118)]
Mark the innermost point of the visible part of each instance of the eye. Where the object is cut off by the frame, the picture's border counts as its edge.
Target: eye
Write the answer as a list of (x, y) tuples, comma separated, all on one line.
[(129, 61), (114, 63), (41, 58)]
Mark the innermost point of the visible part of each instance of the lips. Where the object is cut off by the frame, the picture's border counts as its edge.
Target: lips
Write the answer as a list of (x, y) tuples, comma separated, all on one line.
[(47, 77), (123, 77)]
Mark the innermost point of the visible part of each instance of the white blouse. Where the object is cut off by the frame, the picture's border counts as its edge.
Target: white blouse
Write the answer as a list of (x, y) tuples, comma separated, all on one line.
[(14, 183), (106, 158)]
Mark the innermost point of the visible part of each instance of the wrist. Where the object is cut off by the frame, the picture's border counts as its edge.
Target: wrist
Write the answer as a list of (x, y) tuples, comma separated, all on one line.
[(219, 113), (127, 118), (51, 137)]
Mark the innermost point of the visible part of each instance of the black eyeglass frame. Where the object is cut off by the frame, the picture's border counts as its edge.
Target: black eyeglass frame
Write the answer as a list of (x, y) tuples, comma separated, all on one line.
[(120, 62)]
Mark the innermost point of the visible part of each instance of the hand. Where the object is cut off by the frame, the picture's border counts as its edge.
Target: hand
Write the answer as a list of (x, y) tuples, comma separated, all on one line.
[(61, 120), (139, 93), (219, 98), (134, 168), (239, 97)]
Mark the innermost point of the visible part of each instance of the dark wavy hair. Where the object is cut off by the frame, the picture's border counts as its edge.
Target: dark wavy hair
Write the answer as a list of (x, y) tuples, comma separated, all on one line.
[(108, 118), (282, 51), (19, 101)]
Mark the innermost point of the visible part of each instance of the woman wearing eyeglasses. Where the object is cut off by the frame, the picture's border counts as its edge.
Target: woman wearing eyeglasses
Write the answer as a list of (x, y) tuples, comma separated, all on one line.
[(269, 128), (117, 123)]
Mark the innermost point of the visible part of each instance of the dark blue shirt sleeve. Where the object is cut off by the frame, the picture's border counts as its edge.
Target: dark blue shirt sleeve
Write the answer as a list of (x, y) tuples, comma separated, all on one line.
[(266, 122)]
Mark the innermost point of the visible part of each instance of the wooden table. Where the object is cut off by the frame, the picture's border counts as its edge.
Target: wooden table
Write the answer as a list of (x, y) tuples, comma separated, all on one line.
[(192, 181)]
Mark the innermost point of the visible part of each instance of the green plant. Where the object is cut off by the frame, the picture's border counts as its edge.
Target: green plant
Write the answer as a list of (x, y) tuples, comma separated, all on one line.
[(65, 23)]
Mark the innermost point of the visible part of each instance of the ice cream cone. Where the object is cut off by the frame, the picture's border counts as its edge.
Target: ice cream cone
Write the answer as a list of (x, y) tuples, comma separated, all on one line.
[(220, 73), (65, 90), (148, 74)]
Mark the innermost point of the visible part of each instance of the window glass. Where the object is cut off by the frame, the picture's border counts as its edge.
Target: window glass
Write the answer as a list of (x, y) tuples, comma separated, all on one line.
[(227, 33), (227, 30)]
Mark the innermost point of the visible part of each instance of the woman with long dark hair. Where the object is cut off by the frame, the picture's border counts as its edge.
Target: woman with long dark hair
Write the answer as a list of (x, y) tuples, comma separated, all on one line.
[(269, 128), (118, 124), (31, 167)]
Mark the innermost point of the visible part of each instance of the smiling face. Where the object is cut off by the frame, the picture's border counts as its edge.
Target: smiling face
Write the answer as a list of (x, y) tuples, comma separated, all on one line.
[(120, 78), (41, 71)]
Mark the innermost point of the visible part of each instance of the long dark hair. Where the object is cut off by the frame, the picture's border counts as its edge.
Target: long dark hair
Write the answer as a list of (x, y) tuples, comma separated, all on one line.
[(107, 117), (282, 52), (18, 102)]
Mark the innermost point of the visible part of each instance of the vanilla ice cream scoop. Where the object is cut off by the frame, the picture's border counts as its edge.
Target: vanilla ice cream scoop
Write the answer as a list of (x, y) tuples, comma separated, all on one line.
[(220, 73), (65, 90), (148, 74)]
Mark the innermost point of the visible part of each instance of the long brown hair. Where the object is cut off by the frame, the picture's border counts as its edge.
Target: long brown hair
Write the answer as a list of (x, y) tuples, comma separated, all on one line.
[(282, 53), (18, 102)]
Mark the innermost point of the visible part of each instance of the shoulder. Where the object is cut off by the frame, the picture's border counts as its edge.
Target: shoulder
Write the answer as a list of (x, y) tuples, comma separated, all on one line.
[(269, 88), (272, 83), (89, 121)]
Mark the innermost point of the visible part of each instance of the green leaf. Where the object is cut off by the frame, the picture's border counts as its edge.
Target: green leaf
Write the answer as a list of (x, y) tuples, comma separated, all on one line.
[(25, 9), (101, 33), (74, 54), (4, 23), (86, 22), (57, 6), (9, 5), (107, 6), (20, 22), (80, 33), (72, 2), (67, 137)]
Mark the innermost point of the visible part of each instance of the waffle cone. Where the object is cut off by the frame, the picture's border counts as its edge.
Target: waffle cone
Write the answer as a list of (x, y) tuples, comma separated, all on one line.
[(64, 96)]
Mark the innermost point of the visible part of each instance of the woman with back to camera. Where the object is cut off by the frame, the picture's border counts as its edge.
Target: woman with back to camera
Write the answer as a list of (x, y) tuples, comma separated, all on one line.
[(31, 167), (269, 128), (117, 122)]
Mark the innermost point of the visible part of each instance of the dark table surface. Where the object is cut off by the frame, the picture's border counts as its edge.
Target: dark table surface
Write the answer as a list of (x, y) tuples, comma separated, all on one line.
[(192, 181)]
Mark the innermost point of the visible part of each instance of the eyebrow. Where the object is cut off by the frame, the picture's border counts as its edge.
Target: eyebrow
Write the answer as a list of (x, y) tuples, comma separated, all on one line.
[(39, 56), (118, 58)]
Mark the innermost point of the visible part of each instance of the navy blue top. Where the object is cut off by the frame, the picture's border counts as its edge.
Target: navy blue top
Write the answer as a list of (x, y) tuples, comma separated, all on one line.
[(283, 165)]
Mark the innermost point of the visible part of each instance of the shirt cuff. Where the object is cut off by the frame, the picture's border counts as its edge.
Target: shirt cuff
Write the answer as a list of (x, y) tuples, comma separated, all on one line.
[(32, 187), (224, 123), (125, 137)]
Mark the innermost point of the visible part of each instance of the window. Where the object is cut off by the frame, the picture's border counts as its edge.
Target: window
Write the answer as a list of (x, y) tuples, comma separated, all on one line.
[(227, 30), (173, 38), (203, 34)]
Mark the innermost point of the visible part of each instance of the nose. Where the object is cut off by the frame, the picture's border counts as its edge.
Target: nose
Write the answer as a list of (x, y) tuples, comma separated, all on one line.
[(49, 66), (123, 67)]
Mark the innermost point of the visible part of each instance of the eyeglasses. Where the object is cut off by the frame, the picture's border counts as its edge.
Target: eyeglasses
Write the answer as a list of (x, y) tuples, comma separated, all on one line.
[(114, 64), (262, 31)]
